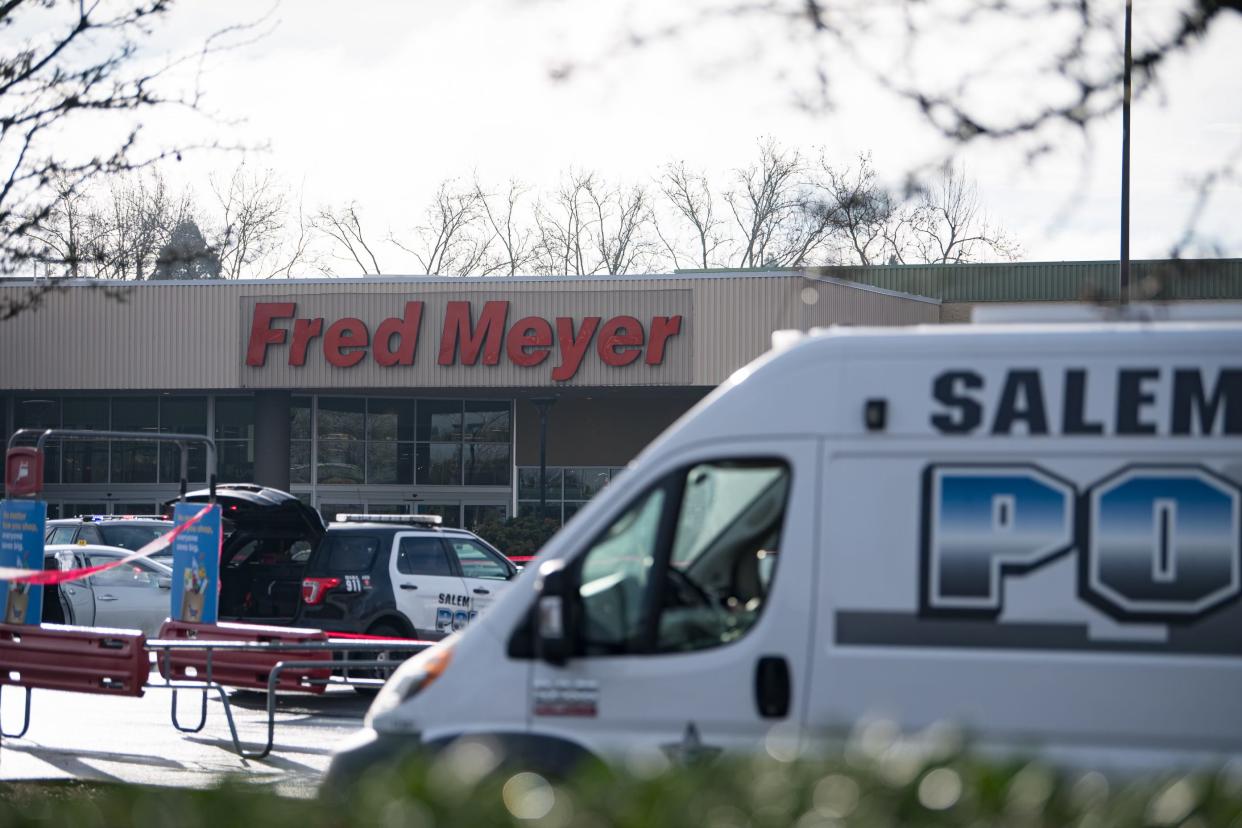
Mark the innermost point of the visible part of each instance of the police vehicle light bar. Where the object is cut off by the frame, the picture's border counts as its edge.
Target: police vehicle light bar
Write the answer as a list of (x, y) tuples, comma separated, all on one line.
[(417, 520)]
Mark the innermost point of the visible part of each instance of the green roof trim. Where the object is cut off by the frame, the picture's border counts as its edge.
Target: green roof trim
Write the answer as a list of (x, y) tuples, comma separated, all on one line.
[(1154, 279)]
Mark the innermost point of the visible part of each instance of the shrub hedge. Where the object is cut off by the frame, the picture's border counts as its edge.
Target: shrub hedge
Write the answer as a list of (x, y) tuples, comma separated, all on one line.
[(463, 788)]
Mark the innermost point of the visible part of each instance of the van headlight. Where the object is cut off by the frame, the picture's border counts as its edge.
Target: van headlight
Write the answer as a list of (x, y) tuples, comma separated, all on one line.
[(413, 676)]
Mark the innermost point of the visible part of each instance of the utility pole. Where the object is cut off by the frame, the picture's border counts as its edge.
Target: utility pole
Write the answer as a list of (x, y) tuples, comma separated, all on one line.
[(1123, 276)]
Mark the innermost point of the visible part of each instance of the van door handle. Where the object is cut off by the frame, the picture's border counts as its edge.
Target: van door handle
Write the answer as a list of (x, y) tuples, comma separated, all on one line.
[(107, 597), (482, 591), (772, 687), (409, 586)]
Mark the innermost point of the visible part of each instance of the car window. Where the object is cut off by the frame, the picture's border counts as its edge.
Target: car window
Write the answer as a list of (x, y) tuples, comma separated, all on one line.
[(131, 574), (423, 556), (90, 534), (351, 553), (62, 534), (476, 561), (130, 536)]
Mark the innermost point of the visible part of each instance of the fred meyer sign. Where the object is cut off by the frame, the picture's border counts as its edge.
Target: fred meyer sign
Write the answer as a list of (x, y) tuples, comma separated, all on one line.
[(516, 339)]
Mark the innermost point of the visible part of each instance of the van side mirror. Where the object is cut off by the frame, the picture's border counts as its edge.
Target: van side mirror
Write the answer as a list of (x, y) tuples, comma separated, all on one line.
[(553, 634)]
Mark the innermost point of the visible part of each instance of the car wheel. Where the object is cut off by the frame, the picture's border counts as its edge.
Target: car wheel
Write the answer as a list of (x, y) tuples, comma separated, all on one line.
[(383, 631)]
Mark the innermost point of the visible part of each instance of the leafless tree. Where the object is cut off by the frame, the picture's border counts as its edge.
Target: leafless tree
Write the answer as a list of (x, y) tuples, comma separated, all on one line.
[(69, 67), (252, 215), (693, 203), (343, 227), (780, 221), (564, 245), (862, 211), (513, 240), (620, 227), (947, 224), (137, 217), (452, 240), (69, 232)]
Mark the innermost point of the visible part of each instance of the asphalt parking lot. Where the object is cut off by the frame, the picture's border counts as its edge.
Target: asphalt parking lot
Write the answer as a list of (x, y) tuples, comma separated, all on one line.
[(121, 739)]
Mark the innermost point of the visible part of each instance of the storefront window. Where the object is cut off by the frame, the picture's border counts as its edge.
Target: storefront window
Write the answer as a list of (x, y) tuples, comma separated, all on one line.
[(183, 415), (41, 413), (135, 462), (487, 464), (439, 420), (235, 439), (568, 489), (390, 432), (342, 435), (85, 461), (300, 440), (439, 464)]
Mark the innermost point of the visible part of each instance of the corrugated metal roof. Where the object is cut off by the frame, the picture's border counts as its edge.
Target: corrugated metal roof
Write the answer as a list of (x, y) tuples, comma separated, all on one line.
[(1159, 279)]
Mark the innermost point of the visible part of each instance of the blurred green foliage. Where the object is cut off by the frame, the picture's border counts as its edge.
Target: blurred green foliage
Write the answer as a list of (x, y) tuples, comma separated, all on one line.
[(522, 535), (464, 787)]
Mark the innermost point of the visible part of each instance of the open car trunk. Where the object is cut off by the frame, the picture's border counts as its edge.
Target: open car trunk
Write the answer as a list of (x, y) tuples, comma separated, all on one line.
[(269, 537)]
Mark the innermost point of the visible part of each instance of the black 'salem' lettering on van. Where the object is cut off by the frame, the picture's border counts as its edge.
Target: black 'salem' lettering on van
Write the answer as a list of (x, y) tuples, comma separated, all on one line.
[(1195, 404)]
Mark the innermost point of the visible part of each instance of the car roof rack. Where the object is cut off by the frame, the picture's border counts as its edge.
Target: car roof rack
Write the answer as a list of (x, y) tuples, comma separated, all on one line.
[(426, 521)]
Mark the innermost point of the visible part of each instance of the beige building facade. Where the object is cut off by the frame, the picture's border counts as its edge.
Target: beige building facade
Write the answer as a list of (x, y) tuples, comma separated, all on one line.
[(395, 394)]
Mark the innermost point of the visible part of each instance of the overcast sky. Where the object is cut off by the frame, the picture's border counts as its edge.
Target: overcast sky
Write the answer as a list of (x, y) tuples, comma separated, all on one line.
[(376, 101)]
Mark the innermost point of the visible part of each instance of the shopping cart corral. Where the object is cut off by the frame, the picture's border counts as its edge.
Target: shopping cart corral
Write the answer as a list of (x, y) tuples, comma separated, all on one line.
[(202, 658)]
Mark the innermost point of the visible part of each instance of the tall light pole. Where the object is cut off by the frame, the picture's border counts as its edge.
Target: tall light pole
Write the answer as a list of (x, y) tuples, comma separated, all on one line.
[(1123, 276)]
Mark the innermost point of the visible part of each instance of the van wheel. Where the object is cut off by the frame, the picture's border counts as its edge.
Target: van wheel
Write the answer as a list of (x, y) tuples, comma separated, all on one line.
[(383, 631)]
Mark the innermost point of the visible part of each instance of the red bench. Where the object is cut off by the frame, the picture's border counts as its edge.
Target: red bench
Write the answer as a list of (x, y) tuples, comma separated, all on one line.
[(249, 670), (76, 659)]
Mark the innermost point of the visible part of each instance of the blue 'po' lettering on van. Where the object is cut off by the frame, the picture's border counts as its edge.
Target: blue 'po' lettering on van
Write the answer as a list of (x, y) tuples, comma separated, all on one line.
[(988, 522), (1162, 543), (1155, 543)]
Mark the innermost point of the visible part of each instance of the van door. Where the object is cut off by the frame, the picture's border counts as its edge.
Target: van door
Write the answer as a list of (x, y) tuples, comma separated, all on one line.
[(426, 586), (694, 609)]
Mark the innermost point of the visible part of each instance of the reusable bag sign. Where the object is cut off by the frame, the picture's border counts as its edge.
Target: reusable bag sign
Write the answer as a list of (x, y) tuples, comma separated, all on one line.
[(196, 565), (22, 525)]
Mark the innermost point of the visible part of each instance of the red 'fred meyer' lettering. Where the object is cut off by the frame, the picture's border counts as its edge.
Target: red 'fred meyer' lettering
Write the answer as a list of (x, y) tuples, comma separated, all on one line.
[(465, 339), (405, 330), (573, 349), (304, 330), (487, 336), (346, 335), (529, 341), (662, 329), (620, 341), (262, 333)]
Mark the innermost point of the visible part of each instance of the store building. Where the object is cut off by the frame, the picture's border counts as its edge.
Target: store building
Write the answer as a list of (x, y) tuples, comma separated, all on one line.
[(393, 394), (423, 394)]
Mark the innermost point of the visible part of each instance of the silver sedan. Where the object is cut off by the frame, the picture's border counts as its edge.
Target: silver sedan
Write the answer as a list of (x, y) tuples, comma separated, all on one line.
[(135, 595)]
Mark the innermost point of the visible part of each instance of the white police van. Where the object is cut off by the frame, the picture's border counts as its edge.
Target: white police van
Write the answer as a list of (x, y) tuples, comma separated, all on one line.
[(1031, 530)]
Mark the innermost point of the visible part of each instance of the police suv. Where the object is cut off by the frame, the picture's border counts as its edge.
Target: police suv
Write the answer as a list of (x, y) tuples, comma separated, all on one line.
[(399, 575), (391, 575)]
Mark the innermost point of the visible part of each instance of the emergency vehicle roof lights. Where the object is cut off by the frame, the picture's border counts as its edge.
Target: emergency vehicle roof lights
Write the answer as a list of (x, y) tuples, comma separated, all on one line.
[(98, 518), (416, 520)]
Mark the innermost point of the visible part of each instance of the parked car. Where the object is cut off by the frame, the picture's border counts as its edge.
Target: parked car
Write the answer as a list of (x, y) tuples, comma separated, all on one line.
[(130, 532), (134, 595), (397, 575)]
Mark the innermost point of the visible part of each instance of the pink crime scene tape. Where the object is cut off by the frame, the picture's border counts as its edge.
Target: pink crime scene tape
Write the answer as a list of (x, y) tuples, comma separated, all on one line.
[(48, 577)]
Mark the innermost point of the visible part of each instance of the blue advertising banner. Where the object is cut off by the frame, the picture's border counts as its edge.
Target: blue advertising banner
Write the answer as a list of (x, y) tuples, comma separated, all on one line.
[(196, 566), (22, 524)]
